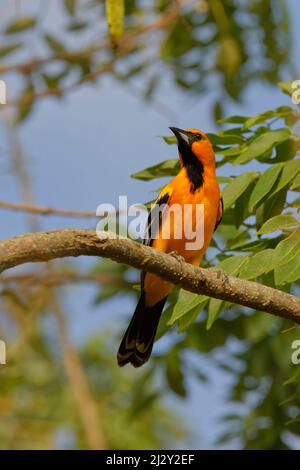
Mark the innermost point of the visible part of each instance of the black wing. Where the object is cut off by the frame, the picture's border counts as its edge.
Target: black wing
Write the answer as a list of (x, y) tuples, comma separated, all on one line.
[(220, 213), (154, 218)]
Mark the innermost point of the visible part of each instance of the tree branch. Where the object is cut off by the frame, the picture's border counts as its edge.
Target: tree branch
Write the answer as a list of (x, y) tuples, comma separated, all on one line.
[(44, 246), (33, 209), (166, 18), (55, 278), (127, 44)]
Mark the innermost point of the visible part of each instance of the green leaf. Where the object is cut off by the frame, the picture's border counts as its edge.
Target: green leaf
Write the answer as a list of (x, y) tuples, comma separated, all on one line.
[(233, 120), (292, 118), (70, 6), (296, 183), (228, 217), (217, 111), (224, 179), (289, 172), (288, 272), (22, 24), (274, 205), (236, 188), (264, 185), (217, 139), (233, 264), (279, 222), (54, 44), (287, 249), (232, 130), (284, 112), (54, 81), (229, 152), (50, 82), (259, 118), (247, 246), (262, 144), (26, 107), (77, 25), (241, 210), (164, 326), (185, 321), (5, 51), (286, 87), (258, 264), (187, 302), (214, 308), (171, 140), (163, 169), (285, 151)]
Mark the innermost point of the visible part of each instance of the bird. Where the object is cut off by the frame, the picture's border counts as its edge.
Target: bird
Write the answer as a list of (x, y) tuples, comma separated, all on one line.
[(195, 183)]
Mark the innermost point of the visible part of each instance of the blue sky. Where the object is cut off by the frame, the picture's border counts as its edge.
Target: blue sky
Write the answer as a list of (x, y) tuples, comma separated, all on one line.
[(81, 152)]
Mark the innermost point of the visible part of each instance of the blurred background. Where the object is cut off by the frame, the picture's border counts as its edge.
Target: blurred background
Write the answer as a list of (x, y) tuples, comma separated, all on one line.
[(85, 110)]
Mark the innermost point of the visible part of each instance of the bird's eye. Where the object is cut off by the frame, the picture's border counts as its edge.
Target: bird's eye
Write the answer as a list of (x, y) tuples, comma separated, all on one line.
[(198, 136)]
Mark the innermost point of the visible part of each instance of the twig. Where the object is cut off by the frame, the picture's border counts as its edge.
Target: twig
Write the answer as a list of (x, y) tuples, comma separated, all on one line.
[(56, 278), (32, 64), (33, 209), (127, 44)]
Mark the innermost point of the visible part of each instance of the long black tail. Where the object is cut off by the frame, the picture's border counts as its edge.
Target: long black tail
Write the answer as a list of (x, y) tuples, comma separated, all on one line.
[(137, 343)]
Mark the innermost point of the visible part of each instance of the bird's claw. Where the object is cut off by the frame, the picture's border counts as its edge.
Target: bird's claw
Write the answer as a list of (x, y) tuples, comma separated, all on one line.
[(177, 256)]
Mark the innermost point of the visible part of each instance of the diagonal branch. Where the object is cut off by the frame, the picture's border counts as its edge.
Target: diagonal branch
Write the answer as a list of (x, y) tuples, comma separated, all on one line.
[(44, 246)]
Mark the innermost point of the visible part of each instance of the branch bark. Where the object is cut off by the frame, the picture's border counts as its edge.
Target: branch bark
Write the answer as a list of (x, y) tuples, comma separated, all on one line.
[(44, 246)]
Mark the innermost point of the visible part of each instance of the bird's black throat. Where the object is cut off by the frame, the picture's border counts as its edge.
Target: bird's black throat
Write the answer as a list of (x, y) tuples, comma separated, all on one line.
[(193, 166)]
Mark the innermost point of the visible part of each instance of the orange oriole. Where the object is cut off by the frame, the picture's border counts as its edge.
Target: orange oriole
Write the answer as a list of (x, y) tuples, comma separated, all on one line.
[(195, 183)]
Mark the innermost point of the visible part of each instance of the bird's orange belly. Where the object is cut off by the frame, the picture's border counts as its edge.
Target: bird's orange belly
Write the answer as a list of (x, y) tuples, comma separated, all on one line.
[(191, 249)]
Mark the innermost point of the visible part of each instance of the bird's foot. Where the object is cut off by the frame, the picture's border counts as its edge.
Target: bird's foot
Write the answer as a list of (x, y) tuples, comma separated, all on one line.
[(177, 256)]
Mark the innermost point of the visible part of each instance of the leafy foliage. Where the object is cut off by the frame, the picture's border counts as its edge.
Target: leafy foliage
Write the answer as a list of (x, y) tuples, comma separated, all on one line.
[(210, 40), (259, 239), (255, 191)]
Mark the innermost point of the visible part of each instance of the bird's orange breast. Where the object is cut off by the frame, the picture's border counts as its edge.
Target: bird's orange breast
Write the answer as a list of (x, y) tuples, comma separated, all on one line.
[(208, 195)]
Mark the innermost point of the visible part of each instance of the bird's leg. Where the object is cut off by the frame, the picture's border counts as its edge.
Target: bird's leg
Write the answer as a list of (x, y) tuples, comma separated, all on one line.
[(179, 258)]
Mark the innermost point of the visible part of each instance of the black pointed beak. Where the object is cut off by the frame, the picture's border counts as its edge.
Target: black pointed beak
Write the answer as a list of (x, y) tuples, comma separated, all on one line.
[(181, 135)]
